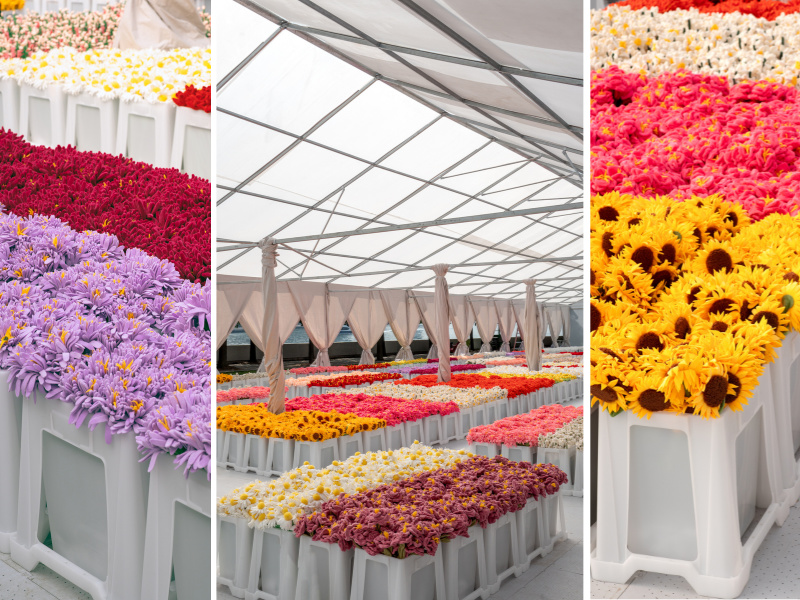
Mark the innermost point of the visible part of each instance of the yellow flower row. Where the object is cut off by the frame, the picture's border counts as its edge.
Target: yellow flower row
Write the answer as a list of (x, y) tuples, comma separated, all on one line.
[(299, 425), (224, 378), (689, 302)]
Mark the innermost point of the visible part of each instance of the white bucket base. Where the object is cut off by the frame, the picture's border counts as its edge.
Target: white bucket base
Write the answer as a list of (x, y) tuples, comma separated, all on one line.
[(273, 565), (234, 548)]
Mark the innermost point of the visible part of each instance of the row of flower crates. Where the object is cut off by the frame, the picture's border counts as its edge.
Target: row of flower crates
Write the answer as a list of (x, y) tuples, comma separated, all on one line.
[(122, 532), (162, 134), (680, 495), (273, 564)]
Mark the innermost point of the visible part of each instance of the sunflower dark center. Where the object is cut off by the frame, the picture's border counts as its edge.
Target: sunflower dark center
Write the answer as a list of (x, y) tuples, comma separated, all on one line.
[(653, 400), (607, 244), (603, 394), (721, 306), (719, 260), (608, 213), (733, 379), (596, 317), (633, 222), (720, 326), (693, 294), (649, 340), (792, 276), (716, 390), (731, 216), (664, 277), (699, 235), (682, 327), (644, 257), (772, 319), (668, 253), (745, 311)]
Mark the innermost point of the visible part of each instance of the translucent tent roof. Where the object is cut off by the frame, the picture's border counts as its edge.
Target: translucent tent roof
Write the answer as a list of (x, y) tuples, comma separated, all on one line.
[(368, 182)]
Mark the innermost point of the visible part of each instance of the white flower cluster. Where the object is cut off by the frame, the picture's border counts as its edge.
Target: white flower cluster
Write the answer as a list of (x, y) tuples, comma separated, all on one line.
[(130, 75), (464, 397), (739, 47), (569, 436), (278, 503)]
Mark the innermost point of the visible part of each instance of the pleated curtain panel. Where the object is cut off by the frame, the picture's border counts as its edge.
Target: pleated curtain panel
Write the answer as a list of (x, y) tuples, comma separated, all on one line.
[(506, 320), (367, 322), (486, 319), (442, 321), (270, 334), (427, 312), (253, 314), (565, 323), (462, 319), (230, 306), (322, 314), (533, 336), (403, 315)]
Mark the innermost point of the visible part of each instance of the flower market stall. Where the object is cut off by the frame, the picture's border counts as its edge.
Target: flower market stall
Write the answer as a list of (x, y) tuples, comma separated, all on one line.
[(694, 318), (106, 302), (421, 186)]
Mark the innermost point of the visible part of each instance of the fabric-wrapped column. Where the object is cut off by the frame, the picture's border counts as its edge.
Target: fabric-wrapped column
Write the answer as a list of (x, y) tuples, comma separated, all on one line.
[(270, 329), (441, 301), (533, 336)]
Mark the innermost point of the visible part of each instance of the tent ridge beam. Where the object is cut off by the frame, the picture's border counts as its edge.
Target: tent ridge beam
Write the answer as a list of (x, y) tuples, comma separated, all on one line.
[(478, 64), (436, 222)]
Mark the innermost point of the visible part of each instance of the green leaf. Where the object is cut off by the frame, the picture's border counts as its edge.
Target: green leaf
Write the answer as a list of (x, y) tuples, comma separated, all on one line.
[(788, 303)]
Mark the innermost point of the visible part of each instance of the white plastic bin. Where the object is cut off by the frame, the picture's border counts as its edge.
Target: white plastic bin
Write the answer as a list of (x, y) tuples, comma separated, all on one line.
[(234, 548), (10, 428), (144, 131), (9, 104), (562, 458), (97, 546), (191, 144), (503, 557), (91, 123), (325, 569), (273, 566), (178, 533), (681, 510), (465, 566), (385, 578), (42, 115)]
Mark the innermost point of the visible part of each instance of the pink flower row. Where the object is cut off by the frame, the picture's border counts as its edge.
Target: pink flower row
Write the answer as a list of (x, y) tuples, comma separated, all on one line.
[(316, 370), (254, 393), (525, 429), (393, 410), (682, 134)]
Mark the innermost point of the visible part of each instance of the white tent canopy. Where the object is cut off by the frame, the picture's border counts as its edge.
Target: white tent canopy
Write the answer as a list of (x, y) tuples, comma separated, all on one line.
[(372, 140)]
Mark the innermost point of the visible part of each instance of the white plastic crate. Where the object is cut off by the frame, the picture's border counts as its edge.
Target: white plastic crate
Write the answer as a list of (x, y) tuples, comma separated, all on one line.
[(382, 577), (503, 558), (144, 131), (318, 454), (787, 414), (577, 471), (519, 453), (484, 449), (562, 458), (42, 115), (9, 104), (434, 430), (374, 441), (451, 425), (273, 565), (232, 450), (234, 548), (415, 431), (10, 430), (396, 437), (91, 123), (97, 527), (465, 566), (178, 536), (191, 144), (325, 569), (676, 493), (554, 526), (280, 456), (530, 534), (467, 420)]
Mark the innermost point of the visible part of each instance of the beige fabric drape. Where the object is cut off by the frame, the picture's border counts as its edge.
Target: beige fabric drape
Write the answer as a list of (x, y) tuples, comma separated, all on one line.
[(270, 335), (367, 321), (486, 319), (533, 336), (441, 302), (161, 24), (403, 315), (462, 319), (231, 301), (505, 318), (426, 303)]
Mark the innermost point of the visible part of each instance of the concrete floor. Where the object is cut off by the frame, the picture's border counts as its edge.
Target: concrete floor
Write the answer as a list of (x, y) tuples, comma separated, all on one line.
[(41, 584), (774, 573)]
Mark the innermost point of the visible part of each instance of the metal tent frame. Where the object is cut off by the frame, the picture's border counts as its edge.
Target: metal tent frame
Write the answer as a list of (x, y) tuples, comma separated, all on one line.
[(539, 236)]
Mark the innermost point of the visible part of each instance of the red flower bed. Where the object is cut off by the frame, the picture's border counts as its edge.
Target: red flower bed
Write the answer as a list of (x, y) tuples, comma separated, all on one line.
[(516, 386), (161, 211), (192, 97), (685, 134), (767, 9), (382, 365), (346, 380)]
